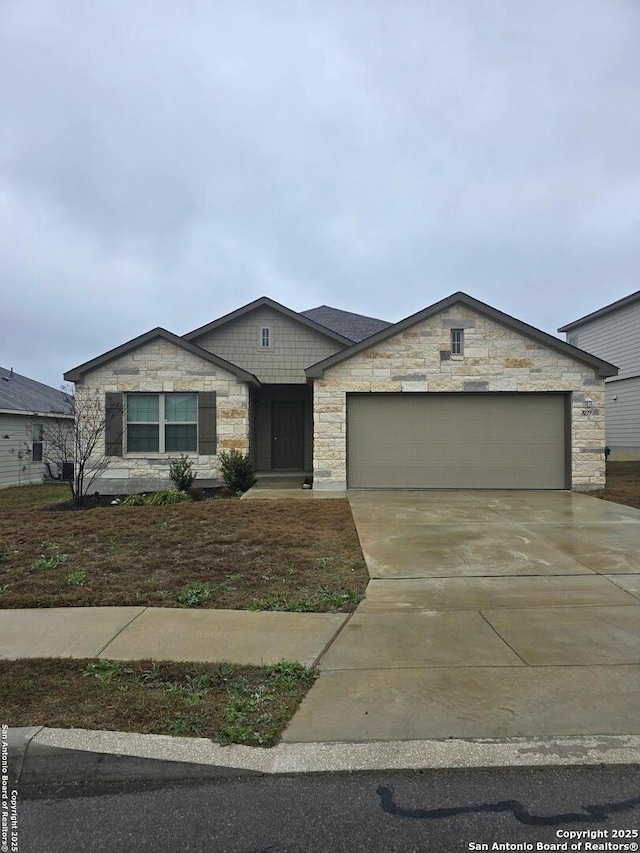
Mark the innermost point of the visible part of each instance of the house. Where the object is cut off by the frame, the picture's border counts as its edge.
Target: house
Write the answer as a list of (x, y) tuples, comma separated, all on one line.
[(458, 395), (29, 411), (613, 333)]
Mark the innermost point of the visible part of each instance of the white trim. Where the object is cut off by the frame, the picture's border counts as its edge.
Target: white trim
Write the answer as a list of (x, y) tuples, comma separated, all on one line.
[(35, 414)]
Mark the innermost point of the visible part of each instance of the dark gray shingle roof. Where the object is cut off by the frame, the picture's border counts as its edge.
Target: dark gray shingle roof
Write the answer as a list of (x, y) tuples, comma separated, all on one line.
[(20, 394), (356, 327)]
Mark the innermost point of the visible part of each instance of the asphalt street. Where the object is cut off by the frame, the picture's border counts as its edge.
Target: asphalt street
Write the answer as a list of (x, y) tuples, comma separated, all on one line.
[(443, 811)]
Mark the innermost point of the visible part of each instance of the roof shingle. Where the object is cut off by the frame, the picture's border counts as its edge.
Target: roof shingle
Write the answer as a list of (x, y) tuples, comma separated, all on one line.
[(21, 394), (355, 327)]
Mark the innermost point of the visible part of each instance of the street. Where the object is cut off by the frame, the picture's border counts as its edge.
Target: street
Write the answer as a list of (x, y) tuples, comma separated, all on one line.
[(443, 811)]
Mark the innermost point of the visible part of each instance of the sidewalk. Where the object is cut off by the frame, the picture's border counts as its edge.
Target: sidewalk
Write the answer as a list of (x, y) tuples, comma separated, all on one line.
[(139, 633)]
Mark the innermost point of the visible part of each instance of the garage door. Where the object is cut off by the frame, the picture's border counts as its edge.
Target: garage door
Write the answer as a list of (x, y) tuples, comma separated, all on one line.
[(454, 441)]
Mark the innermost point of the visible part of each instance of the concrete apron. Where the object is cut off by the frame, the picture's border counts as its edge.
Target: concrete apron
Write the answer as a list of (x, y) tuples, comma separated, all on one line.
[(488, 615)]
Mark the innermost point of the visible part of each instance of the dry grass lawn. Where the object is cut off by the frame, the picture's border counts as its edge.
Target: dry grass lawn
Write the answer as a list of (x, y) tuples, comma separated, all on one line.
[(227, 703), (623, 484), (282, 555)]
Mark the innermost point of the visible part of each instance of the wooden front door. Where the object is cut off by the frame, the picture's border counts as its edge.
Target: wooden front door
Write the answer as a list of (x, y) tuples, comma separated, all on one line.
[(287, 447)]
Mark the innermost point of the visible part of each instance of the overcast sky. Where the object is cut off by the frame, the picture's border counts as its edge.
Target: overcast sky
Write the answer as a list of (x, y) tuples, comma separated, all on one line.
[(163, 163)]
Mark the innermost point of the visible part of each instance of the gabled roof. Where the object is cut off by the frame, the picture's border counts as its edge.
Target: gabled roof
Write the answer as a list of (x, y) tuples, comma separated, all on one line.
[(356, 327), (77, 373), (264, 301), (603, 367), (21, 394), (608, 309)]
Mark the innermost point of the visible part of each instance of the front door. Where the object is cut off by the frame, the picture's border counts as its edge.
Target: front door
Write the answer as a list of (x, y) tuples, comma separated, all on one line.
[(288, 435)]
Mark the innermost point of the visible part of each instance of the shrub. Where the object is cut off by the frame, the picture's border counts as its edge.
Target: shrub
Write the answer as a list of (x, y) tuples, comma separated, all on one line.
[(162, 498), (237, 470), (181, 473), (166, 497), (134, 500)]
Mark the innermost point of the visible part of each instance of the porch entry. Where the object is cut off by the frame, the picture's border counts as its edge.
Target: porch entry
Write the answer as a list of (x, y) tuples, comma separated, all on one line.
[(287, 434)]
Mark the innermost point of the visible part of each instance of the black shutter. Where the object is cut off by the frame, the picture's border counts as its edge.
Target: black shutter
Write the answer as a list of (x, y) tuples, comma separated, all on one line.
[(207, 423), (114, 426)]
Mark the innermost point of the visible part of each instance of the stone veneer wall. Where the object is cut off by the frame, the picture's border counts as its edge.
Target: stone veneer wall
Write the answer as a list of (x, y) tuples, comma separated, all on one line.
[(162, 366), (495, 359)]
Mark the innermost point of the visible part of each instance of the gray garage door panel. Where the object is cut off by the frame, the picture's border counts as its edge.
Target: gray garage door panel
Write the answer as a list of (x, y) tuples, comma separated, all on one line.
[(453, 441)]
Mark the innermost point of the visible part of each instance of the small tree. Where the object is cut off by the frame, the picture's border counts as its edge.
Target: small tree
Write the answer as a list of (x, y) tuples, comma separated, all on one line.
[(80, 441)]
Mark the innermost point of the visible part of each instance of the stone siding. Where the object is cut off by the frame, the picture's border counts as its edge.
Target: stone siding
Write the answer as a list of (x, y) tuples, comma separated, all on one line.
[(495, 358), (161, 366)]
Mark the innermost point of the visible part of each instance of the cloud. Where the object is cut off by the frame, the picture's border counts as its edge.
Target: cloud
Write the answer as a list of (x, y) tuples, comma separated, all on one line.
[(163, 163)]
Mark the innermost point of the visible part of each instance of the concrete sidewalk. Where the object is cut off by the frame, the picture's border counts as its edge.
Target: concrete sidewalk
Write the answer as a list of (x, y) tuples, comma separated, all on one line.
[(138, 633), (489, 615)]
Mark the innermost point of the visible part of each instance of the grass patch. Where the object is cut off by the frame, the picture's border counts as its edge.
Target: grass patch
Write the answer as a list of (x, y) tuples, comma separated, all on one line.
[(51, 557), (286, 554), (309, 601), (227, 703), (24, 497), (623, 484)]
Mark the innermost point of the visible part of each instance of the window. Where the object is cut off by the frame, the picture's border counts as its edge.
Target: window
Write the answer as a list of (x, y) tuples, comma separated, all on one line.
[(37, 437), (162, 423), (457, 341), (265, 336)]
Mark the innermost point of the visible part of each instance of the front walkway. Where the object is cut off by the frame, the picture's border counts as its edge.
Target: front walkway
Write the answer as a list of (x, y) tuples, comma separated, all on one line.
[(489, 615), (286, 486)]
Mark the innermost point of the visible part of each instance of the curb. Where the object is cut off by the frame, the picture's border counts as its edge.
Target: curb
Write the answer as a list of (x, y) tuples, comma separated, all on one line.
[(40, 755)]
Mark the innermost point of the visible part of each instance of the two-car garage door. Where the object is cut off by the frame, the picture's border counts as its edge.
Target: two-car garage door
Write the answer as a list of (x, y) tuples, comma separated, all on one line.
[(455, 441)]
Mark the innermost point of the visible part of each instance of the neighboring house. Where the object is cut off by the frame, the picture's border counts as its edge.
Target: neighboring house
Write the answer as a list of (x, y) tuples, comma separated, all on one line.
[(28, 410), (613, 333), (458, 395)]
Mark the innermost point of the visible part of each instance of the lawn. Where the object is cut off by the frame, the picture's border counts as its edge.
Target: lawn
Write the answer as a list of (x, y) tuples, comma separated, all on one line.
[(263, 555), (623, 484), (224, 702)]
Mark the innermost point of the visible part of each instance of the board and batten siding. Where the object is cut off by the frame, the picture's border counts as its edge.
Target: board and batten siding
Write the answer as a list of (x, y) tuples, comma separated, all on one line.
[(16, 467), (614, 337), (293, 346)]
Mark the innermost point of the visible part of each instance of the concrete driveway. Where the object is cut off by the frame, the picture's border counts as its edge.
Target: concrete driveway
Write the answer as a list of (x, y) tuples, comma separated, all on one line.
[(489, 614)]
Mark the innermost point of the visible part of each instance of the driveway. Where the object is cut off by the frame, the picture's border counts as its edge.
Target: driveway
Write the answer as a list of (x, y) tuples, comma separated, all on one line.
[(488, 615)]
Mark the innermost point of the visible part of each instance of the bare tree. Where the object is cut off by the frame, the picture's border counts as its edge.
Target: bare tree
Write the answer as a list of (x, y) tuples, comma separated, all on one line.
[(80, 441)]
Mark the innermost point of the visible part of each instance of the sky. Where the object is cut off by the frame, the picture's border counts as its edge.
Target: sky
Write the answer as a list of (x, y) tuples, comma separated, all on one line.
[(164, 162)]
